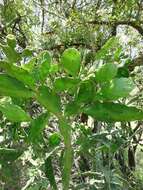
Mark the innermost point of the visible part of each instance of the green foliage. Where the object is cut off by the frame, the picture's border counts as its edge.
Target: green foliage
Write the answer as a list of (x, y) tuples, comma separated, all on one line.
[(50, 173), (11, 41), (36, 128), (49, 99), (106, 73), (104, 51), (13, 112), (10, 86), (112, 112), (67, 93), (117, 88), (86, 92), (9, 155), (54, 139), (65, 83), (43, 65), (18, 73), (71, 61)]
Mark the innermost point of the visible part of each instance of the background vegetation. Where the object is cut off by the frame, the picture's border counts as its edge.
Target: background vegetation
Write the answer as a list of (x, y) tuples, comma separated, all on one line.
[(71, 94)]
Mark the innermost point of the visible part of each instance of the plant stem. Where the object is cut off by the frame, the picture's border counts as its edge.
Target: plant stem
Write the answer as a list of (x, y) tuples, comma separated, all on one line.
[(65, 130)]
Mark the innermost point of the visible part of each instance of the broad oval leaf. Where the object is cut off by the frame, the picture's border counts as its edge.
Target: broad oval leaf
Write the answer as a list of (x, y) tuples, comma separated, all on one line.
[(117, 88), (49, 99), (13, 112), (113, 112), (14, 88), (71, 60), (106, 72), (65, 83)]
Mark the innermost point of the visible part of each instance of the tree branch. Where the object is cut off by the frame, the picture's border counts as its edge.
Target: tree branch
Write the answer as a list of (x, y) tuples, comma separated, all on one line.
[(133, 24)]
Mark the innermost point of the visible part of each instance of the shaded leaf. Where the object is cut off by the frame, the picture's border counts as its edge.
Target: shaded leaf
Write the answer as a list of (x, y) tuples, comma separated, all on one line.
[(112, 112), (9, 155), (37, 125), (55, 139), (86, 92), (43, 66), (72, 108), (49, 171), (111, 43), (11, 40)]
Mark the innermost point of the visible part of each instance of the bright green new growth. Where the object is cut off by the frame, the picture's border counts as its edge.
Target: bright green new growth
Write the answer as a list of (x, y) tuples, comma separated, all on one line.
[(71, 61)]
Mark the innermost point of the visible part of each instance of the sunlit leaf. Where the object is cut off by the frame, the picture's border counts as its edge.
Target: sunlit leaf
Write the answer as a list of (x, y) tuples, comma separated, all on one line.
[(106, 72), (13, 112), (71, 61), (117, 88), (12, 87)]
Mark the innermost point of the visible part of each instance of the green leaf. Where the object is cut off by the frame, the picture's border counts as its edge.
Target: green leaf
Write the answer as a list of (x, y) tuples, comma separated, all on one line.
[(49, 171), (49, 99), (30, 65), (13, 112), (106, 72), (54, 139), (10, 53), (14, 88), (65, 83), (11, 40), (27, 52), (9, 155), (111, 43), (123, 72), (54, 68), (37, 125), (72, 108), (117, 88), (43, 66), (113, 112), (18, 73), (71, 60), (86, 92)]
